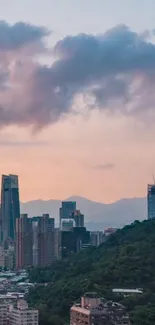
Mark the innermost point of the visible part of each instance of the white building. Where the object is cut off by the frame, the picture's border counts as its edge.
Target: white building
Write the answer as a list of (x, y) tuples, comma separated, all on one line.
[(96, 238), (22, 315), (3, 314)]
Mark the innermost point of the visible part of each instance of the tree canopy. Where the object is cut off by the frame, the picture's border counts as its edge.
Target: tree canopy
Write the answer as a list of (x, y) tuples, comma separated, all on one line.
[(125, 260)]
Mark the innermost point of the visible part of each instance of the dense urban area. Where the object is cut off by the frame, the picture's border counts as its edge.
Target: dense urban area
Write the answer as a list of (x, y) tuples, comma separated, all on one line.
[(56, 276)]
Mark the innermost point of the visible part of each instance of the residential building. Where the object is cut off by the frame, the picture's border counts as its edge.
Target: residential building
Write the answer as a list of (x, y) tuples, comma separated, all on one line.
[(96, 238), (24, 242), (23, 315), (35, 227), (10, 207), (151, 201), (93, 310), (3, 314), (35, 241), (57, 243), (45, 240), (2, 257), (109, 231)]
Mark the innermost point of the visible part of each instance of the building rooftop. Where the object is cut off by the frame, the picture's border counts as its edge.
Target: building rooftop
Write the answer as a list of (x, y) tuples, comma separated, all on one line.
[(127, 290)]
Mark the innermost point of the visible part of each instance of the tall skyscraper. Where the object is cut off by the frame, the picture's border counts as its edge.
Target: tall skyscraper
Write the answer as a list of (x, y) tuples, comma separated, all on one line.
[(67, 209), (34, 241), (10, 207), (46, 251), (151, 201)]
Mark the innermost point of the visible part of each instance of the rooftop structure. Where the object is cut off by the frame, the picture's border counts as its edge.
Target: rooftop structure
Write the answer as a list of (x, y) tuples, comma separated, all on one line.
[(96, 311), (22, 314)]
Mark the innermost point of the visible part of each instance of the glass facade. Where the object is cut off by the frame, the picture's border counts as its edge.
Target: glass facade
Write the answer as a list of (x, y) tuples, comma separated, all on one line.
[(10, 207)]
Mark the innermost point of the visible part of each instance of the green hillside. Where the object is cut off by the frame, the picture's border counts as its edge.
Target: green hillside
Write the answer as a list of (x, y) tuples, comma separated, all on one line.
[(126, 260)]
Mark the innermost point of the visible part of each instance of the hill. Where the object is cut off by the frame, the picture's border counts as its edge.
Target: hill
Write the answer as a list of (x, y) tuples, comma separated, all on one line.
[(97, 215), (126, 260)]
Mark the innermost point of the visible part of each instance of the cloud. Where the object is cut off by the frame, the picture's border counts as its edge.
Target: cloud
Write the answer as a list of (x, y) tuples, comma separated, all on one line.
[(104, 166), (113, 72), (15, 36), (14, 143)]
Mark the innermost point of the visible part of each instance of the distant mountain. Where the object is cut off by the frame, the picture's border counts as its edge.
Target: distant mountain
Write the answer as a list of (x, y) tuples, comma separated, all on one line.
[(98, 216)]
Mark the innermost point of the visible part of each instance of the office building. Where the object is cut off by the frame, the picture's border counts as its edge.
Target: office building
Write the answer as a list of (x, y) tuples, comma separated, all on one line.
[(151, 201), (94, 311), (10, 207), (66, 210), (78, 218), (67, 224), (24, 242), (3, 314), (22, 315), (73, 241)]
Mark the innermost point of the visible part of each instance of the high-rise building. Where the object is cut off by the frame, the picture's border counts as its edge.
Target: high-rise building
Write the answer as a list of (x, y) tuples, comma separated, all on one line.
[(23, 315), (67, 224), (94, 311), (73, 241), (10, 207), (24, 242), (57, 243), (34, 241), (66, 210), (151, 201), (45, 241), (78, 218), (35, 226)]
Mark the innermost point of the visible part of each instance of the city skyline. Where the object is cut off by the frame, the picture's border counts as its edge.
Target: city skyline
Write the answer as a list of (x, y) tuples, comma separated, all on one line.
[(94, 136)]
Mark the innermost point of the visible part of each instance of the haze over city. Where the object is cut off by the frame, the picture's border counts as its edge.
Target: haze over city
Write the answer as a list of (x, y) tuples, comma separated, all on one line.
[(77, 97)]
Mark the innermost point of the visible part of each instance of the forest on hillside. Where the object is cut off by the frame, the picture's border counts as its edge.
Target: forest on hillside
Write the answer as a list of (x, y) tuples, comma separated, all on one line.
[(126, 260)]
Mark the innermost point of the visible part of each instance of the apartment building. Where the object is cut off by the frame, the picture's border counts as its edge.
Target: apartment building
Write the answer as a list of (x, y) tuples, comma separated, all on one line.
[(3, 314), (23, 315)]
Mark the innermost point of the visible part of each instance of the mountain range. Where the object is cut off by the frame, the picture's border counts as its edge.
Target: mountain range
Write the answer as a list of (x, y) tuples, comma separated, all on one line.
[(98, 216)]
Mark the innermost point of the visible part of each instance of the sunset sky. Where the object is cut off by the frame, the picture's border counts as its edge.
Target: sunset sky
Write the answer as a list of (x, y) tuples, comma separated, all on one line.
[(77, 100)]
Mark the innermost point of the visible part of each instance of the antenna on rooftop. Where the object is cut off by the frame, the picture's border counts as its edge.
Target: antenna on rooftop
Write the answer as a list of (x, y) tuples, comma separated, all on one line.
[(153, 178)]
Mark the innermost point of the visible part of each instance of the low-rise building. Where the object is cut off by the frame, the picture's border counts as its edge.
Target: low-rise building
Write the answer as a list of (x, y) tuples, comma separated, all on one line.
[(93, 310), (3, 314), (23, 315)]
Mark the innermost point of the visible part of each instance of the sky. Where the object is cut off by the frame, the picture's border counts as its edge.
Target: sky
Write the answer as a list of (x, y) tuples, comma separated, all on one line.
[(77, 97)]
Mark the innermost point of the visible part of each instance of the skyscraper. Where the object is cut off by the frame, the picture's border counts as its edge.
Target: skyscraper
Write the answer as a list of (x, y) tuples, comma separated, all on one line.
[(34, 241), (78, 218), (45, 240), (66, 210), (24, 242), (151, 201), (10, 207)]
